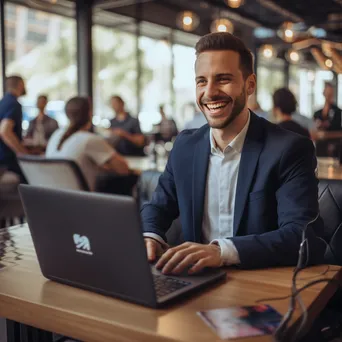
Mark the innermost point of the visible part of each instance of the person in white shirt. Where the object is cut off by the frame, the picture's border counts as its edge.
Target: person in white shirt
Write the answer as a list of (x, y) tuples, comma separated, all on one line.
[(90, 151)]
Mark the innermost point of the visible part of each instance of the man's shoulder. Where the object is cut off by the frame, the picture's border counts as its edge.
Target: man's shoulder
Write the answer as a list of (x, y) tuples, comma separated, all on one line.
[(189, 136)]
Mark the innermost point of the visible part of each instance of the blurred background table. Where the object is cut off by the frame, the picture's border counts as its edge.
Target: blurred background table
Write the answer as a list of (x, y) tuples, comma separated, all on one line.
[(329, 168)]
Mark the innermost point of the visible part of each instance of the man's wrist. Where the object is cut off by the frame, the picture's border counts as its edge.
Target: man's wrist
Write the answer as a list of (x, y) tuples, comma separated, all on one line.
[(157, 238), (229, 253)]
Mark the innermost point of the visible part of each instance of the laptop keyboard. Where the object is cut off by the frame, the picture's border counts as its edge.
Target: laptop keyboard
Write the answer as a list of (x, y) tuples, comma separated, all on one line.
[(166, 285)]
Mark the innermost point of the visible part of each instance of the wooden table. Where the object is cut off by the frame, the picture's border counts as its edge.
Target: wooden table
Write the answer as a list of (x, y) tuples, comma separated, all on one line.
[(27, 297), (145, 163), (329, 168)]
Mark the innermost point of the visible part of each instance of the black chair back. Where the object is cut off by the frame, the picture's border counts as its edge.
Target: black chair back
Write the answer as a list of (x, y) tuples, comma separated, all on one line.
[(330, 204)]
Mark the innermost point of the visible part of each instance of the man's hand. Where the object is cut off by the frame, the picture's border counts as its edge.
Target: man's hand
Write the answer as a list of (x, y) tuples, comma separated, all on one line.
[(179, 258), (154, 249)]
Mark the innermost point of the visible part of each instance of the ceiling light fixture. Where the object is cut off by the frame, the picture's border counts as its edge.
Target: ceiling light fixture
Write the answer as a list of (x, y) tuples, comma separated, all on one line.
[(287, 32), (329, 63), (268, 51), (187, 21), (235, 3), (294, 56), (222, 25)]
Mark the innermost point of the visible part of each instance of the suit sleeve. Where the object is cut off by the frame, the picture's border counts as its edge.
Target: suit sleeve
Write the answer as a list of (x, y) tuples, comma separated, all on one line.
[(158, 215), (297, 204)]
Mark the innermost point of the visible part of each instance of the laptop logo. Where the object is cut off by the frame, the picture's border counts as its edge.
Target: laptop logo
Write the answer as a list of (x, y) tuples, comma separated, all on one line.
[(82, 244)]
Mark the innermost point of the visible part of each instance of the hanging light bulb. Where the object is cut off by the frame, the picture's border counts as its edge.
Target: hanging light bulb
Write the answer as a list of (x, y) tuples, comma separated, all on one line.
[(294, 56), (222, 25), (235, 3), (329, 63), (187, 21), (287, 32), (268, 51)]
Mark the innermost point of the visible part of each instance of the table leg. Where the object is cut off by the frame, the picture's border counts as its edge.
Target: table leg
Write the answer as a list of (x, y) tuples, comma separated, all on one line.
[(13, 331), (17, 332)]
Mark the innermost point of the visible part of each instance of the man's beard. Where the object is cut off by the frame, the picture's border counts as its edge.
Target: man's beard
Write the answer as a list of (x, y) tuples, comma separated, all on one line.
[(239, 105)]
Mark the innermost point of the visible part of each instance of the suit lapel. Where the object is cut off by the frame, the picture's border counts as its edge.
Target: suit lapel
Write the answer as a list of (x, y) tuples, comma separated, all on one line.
[(248, 163), (199, 181)]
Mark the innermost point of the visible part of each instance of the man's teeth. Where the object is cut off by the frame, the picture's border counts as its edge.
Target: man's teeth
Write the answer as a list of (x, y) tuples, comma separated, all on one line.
[(216, 105)]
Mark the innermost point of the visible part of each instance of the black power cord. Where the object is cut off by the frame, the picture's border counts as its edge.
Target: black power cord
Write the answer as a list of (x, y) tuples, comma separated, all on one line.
[(281, 331)]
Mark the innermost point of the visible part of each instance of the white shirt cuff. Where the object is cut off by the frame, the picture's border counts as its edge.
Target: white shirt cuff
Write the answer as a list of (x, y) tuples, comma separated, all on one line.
[(229, 253), (157, 238)]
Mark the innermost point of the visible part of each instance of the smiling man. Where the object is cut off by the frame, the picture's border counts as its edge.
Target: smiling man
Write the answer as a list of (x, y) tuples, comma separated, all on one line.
[(244, 188)]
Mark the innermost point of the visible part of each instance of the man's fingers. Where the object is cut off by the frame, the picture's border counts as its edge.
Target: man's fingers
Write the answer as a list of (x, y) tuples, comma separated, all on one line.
[(171, 251), (151, 249), (188, 261), (200, 264), (175, 260)]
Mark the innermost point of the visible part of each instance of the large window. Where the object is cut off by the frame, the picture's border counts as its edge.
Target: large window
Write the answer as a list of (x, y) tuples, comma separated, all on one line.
[(115, 71), (302, 86), (156, 87), (184, 82), (41, 47), (270, 78)]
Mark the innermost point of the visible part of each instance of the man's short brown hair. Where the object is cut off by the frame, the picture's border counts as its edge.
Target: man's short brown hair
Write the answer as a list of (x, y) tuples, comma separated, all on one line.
[(226, 41)]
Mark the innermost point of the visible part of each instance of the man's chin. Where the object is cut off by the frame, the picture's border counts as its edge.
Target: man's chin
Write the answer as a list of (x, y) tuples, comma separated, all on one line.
[(219, 123)]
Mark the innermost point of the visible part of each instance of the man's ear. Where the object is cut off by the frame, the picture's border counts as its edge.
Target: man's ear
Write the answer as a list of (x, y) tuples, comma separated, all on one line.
[(251, 84)]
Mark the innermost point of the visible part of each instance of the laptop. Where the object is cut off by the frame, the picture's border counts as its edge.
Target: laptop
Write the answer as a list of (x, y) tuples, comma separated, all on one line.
[(94, 242)]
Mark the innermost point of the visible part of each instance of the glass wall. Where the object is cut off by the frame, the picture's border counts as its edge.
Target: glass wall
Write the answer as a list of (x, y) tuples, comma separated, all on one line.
[(302, 85), (115, 71), (270, 77), (184, 82), (156, 88), (41, 47)]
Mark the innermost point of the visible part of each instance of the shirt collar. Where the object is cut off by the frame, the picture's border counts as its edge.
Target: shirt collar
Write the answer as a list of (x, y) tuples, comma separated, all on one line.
[(236, 144)]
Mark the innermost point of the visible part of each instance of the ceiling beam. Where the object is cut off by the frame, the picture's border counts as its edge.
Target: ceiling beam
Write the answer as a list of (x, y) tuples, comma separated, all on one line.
[(112, 4), (280, 10)]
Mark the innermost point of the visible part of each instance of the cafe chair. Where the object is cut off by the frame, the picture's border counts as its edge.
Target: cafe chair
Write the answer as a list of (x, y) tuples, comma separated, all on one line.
[(11, 210), (53, 173), (330, 205)]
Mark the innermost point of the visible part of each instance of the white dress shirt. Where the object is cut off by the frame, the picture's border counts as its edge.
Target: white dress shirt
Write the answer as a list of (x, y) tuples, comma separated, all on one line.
[(219, 205)]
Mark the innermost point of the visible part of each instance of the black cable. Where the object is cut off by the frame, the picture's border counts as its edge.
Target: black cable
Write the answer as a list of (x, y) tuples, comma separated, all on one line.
[(283, 326), (283, 338)]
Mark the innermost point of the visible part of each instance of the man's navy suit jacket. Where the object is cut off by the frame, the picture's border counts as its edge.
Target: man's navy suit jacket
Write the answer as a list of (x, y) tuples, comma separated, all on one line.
[(276, 194)]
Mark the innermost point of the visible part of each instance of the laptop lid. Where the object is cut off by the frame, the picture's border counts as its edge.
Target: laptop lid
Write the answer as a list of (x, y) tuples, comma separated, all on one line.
[(93, 241)]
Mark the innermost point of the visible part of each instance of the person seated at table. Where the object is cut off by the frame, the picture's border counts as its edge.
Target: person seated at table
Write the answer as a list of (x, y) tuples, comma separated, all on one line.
[(167, 128), (284, 105), (244, 188), (90, 151), (11, 117), (42, 126), (130, 140)]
